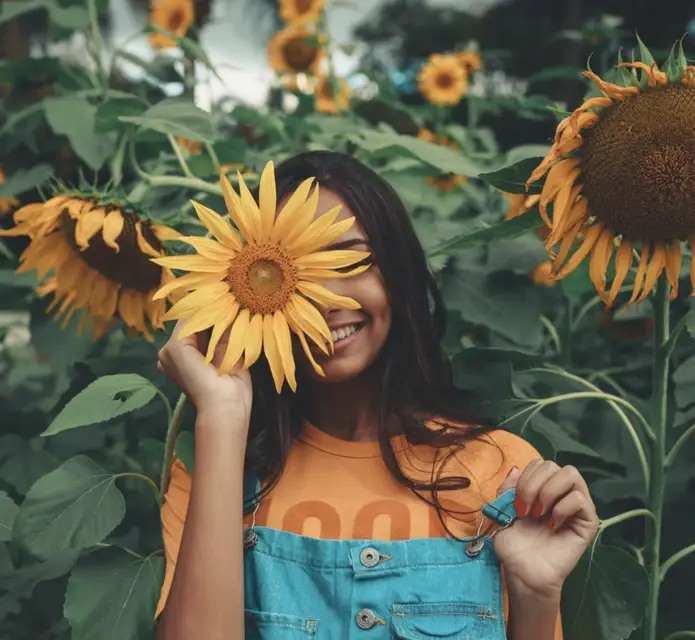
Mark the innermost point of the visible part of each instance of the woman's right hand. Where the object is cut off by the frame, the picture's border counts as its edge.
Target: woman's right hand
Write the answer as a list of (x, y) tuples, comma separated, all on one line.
[(229, 395)]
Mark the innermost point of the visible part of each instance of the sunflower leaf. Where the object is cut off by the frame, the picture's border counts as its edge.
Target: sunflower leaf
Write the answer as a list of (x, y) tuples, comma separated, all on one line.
[(104, 399), (74, 507), (176, 117), (113, 594), (513, 177), (8, 513)]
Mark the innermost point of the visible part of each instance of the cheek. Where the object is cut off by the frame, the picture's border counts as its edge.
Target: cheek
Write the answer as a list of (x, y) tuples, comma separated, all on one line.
[(374, 300)]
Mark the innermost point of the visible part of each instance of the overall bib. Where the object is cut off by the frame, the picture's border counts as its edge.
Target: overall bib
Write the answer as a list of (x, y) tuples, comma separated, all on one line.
[(299, 588)]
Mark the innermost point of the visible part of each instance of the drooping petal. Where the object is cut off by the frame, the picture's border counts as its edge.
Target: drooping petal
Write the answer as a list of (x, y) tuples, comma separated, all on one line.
[(202, 297), (578, 215), (165, 233), (654, 270), (623, 262), (287, 217), (674, 259), (308, 354), (654, 76), (253, 216), (254, 342), (218, 226), (196, 263), (208, 247), (284, 344), (237, 342), (189, 282), (641, 271), (272, 352), (335, 259), (325, 297), (88, 225), (242, 219), (220, 327), (112, 228), (267, 200), (143, 244), (614, 91), (309, 319), (598, 263), (590, 238)]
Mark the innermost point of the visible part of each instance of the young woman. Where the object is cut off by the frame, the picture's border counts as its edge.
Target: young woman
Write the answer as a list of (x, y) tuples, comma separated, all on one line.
[(376, 505)]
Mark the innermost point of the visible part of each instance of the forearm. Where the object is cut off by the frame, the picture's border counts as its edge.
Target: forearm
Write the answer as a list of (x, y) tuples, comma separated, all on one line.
[(532, 618), (206, 601)]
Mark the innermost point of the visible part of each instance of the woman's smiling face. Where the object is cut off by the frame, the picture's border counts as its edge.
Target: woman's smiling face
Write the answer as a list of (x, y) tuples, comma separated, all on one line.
[(359, 335)]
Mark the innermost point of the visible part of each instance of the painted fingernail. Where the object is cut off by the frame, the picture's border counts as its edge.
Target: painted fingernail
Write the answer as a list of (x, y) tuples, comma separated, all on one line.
[(519, 505), (537, 509), (551, 523), (512, 470)]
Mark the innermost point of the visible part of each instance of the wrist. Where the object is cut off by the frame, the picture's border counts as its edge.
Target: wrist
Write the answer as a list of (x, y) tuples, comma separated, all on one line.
[(541, 601), (223, 419)]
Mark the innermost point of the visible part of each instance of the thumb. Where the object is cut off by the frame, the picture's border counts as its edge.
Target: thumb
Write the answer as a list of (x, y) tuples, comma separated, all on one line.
[(510, 481)]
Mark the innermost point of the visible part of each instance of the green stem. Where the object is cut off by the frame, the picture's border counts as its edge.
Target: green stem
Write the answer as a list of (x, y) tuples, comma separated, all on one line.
[(140, 476), (167, 404), (552, 332), (179, 156), (189, 77), (96, 40), (622, 517), (679, 445), (170, 442), (213, 156), (678, 635), (659, 416), (676, 557)]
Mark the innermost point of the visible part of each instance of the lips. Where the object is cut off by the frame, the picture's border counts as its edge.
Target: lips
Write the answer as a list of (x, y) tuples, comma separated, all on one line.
[(345, 332)]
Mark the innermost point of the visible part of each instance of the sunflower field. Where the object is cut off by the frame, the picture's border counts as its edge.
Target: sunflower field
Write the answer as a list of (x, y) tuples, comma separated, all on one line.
[(562, 233)]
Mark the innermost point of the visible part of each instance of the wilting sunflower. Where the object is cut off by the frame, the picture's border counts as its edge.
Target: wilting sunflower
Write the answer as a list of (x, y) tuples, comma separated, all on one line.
[(447, 182), (620, 173), (330, 100), (295, 49), (470, 60), (519, 203), (443, 80), (543, 274), (176, 16), (293, 11), (6, 204), (260, 282), (99, 255)]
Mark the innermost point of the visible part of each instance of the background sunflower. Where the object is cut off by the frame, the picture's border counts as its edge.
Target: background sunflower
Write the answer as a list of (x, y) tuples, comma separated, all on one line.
[(295, 49), (292, 11), (443, 80), (176, 16), (332, 95)]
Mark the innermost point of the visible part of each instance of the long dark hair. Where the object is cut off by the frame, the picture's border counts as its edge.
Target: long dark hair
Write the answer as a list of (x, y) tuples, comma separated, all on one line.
[(417, 385)]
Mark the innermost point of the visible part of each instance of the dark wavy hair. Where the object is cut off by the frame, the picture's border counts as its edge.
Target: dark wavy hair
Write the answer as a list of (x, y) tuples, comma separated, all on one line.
[(416, 378)]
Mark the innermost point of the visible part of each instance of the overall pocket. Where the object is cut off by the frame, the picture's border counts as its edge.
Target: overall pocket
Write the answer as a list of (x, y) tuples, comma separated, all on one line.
[(450, 620), (260, 625)]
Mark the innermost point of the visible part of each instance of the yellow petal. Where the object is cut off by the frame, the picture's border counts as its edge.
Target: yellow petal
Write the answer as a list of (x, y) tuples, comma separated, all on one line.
[(237, 341), (623, 262), (209, 248), (307, 352), (143, 244), (309, 319), (202, 297), (320, 234), (218, 226), (284, 344), (654, 270), (287, 218), (577, 215), (254, 341), (641, 271), (192, 263), (333, 259), (674, 259), (189, 281), (599, 260), (204, 318), (112, 228), (272, 352), (323, 296), (267, 200), (253, 213), (565, 200), (318, 275), (165, 233), (220, 327), (590, 237), (236, 211), (302, 218), (88, 225), (614, 91)]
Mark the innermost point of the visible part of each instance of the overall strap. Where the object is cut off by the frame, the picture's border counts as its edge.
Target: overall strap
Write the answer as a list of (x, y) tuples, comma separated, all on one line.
[(501, 510)]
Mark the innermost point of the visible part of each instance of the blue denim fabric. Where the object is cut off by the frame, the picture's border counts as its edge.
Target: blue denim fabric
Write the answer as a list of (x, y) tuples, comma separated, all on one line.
[(298, 587)]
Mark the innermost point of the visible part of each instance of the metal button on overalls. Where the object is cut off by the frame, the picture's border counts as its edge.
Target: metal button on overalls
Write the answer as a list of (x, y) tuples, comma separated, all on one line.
[(366, 619), (474, 546), (370, 557)]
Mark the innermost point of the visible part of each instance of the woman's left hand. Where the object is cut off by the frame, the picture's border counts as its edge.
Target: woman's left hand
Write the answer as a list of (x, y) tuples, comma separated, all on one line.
[(556, 522)]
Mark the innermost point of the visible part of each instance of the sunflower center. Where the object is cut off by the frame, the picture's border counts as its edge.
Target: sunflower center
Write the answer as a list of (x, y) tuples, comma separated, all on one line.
[(444, 81), (129, 267), (638, 165), (303, 6), (262, 278), (175, 20), (299, 53)]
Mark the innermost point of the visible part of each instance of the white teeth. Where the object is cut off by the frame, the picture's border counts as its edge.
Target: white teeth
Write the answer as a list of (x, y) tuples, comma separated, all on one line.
[(343, 332)]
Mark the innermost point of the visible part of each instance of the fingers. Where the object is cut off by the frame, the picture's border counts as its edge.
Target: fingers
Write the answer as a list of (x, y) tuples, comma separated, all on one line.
[(510, 481), (577, 507)]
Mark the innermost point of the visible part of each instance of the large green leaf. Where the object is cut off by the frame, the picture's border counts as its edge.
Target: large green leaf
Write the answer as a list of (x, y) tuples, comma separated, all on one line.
[(75, 118), (684, 383), (176, 117), (442, 158), (8, 513), (73, 507), (605, 596), (21, 465), (559, 438), (512, 178), (21, 180), (109, 113), (484, 233), (14, 8), (104, 399), (112, 595)]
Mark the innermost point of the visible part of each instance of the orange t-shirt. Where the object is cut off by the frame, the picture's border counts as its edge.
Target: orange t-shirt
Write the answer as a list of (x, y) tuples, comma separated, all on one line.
[(338, 489)]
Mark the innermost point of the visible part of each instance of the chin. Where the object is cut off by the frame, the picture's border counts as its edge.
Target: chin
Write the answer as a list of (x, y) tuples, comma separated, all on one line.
[(337, 371)]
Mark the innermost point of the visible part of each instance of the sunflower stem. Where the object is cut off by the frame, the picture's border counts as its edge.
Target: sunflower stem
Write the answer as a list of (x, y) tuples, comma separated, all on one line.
[(97, 43), (170, 443), (179, 156), (659, 417)]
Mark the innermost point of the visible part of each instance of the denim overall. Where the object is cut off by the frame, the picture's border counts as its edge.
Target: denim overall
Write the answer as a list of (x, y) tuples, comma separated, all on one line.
[(298, 587)]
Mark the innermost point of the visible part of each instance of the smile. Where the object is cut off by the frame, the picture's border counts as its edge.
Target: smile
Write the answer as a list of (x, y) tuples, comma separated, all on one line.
[(342, 334)]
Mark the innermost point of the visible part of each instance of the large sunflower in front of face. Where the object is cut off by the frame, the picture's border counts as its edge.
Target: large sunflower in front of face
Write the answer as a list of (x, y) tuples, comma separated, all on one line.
[(293, 11), (261, 282), (620, 177), (176, 16), (295, 49), (443, 80), (98, 257)]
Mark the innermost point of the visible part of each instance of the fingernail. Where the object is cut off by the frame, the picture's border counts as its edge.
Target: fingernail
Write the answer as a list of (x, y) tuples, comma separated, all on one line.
[(519, 505), (512, 470), (551, 523), (537, 509)]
